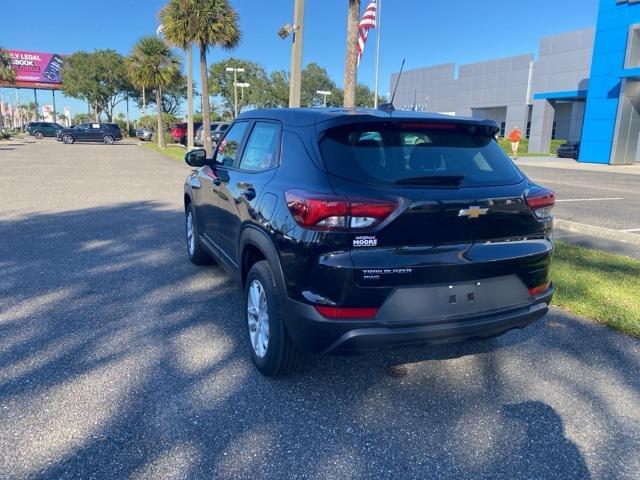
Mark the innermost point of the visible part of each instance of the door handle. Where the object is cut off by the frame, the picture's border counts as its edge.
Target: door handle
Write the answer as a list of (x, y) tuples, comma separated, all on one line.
[(249, 193)]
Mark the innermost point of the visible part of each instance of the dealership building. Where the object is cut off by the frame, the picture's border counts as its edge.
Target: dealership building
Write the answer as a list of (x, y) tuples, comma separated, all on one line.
[(583, 86)]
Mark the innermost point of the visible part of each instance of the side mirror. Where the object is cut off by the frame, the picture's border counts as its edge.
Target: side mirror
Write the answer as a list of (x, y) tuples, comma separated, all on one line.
[(196, 158)]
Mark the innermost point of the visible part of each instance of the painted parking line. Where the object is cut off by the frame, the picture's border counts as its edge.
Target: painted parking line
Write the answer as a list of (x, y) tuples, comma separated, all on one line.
[(631, 230), (587, 199)]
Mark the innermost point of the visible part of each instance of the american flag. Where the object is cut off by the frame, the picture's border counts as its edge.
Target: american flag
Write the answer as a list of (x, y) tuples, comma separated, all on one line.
[(369, 21)]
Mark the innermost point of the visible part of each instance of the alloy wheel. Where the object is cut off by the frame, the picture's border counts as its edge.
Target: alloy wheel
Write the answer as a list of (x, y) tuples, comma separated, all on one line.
[(258, 318), (191, 235)]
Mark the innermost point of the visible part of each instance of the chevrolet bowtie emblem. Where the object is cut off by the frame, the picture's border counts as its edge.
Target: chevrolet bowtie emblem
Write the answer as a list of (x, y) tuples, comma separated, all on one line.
[(473, 212)]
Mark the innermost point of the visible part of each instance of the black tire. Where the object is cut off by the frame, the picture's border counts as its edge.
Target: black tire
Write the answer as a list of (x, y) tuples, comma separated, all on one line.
[(68, 139), (196, 253), (39, 135), (108, 140), (281, 357)]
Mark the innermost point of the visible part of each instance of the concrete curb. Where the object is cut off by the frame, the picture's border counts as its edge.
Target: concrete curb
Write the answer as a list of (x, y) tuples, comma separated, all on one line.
[(598, 232)]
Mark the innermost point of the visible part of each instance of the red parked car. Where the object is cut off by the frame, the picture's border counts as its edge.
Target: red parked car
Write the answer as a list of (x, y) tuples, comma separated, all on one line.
[(179, 132)]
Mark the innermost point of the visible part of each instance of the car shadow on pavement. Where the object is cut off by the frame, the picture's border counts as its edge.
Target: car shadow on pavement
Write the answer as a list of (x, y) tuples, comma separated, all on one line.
[(120, 359)]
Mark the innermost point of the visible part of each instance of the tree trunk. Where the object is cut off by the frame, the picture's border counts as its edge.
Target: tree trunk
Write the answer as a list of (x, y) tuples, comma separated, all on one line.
[(161, 142), (206, 114), (351, 57), (190, 132), (144, 101)]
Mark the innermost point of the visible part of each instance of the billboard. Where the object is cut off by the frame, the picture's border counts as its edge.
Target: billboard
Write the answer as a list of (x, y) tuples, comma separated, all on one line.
[(36, 69)]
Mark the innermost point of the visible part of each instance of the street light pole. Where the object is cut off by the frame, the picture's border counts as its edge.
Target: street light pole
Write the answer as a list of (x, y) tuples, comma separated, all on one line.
[(242, 86), (325, 94), (235, 87), (295, 85)]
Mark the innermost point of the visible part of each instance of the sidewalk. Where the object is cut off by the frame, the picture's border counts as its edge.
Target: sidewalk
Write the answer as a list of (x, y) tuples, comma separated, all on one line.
[(569, 164)]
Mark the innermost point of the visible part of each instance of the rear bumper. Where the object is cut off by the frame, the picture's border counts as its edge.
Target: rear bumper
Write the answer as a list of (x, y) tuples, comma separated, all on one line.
[(313, 333)]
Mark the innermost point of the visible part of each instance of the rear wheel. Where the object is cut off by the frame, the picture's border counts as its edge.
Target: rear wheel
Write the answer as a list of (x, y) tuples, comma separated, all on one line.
[(39, 135), (68, 139), (194, 247), (108, 140), (271, 348)]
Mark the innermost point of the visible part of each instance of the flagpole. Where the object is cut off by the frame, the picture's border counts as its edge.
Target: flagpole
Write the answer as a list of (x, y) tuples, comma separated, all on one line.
[(379, 30)]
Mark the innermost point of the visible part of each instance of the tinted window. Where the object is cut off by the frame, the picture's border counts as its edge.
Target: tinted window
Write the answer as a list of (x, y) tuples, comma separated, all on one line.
[(397, 153), (262, 147), (228, 148)]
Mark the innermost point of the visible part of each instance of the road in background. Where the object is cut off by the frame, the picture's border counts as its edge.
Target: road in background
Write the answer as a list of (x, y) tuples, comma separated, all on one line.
[(120, 359), (608, 200)]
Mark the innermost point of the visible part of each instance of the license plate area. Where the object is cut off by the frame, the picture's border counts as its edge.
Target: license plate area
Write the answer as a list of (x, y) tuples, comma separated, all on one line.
[(440, 302)]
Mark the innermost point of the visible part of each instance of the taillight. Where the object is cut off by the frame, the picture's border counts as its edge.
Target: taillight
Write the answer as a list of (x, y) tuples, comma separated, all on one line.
[(534, 292), (541, 201), (337, 313), (330, 212)]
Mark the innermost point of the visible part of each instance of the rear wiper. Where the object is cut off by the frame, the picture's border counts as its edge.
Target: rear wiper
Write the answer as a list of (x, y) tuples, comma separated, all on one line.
[(445, 180)]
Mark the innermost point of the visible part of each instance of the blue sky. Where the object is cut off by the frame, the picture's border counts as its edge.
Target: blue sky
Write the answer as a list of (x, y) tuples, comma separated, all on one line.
[(425, 32)]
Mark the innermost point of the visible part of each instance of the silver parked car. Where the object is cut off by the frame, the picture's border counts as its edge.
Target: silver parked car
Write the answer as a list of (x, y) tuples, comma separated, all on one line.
[(217, 131), (144, 134)]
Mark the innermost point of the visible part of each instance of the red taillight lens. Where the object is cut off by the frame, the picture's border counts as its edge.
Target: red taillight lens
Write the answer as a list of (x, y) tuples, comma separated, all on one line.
[(330, 212), (541, 201), (337, 313), (534, 292)]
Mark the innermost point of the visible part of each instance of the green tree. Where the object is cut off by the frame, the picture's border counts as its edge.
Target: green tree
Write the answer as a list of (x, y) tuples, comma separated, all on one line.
[(152, 63), (29, 110), (173, 95), (151, 121), (211, 23), (365, 96), (277, 92), (99, 78), (175, 23), (7, 73), (314, 78), (79, 118), (221, 83)]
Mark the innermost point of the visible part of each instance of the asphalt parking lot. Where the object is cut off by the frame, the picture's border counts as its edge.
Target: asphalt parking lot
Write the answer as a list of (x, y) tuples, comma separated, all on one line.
[(607, 200), (119, 359)]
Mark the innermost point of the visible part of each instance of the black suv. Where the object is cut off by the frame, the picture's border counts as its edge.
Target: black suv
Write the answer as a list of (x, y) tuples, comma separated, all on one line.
[(358, 230), (106, 133), (43, 129)]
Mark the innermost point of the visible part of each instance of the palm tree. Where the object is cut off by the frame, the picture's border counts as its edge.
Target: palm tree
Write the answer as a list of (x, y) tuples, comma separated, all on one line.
[(153, 64), (211, 23), (30, 111), (174, 23), (351, 59), (7, 73)]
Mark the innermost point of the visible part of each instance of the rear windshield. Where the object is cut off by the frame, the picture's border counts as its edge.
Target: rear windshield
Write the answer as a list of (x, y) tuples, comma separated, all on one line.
[(417, 154)]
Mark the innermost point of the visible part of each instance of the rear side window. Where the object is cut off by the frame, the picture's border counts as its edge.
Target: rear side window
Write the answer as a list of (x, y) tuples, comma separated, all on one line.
[(262, 147), (414, 153)]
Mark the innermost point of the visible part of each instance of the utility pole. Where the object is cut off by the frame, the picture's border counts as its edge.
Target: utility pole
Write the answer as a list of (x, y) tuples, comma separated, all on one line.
[(295, 85)]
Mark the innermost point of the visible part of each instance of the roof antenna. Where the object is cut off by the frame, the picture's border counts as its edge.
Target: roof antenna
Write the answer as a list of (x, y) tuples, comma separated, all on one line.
[(388, 107)]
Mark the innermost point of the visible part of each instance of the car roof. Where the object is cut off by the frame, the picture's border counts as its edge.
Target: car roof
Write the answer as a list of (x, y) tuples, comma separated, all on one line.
[(304, 117)]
